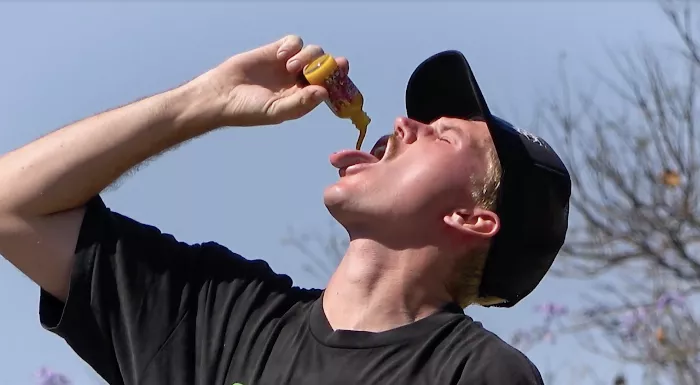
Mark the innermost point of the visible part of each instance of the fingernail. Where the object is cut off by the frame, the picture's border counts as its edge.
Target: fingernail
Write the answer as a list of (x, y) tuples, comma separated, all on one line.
[(293, 66)]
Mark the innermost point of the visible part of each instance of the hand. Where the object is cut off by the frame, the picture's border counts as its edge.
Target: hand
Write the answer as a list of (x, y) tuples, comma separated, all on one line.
[(261, 86)]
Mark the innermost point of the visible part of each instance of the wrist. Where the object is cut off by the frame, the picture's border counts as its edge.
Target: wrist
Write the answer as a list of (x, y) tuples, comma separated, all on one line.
[(193, 108)]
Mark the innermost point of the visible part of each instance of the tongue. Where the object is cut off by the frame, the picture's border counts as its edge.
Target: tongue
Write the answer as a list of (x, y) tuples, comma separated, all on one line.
[(347, 158)]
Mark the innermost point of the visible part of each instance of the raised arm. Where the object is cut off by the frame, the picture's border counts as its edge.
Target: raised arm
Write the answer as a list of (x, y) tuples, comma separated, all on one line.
[(45, 184)]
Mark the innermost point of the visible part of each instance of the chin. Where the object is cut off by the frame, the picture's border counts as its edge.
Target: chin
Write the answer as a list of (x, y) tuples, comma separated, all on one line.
[(336, 198), (343, 205)]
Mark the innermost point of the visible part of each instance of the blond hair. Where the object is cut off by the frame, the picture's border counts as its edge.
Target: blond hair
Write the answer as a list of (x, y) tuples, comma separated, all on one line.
[(484, 195)]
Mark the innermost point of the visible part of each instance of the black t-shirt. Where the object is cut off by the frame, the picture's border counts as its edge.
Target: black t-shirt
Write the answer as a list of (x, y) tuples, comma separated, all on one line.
[(146, 309)]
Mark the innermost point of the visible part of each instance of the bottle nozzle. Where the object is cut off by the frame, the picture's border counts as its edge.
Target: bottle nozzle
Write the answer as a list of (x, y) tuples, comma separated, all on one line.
[(361, 120)]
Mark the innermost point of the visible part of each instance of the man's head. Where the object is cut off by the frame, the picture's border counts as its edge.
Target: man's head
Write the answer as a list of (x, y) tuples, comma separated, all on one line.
[(488, 199), (417, 183)]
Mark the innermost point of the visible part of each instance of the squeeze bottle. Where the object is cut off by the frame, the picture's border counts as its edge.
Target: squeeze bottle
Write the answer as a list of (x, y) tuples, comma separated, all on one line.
[(344, 99)]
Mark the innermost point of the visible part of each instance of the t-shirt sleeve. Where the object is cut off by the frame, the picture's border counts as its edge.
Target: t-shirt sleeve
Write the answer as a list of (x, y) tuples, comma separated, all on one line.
[(515, 371), (501, 364), (133, 286)]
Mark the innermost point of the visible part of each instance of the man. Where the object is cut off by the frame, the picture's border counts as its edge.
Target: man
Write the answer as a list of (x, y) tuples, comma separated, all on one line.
[(456, 207)]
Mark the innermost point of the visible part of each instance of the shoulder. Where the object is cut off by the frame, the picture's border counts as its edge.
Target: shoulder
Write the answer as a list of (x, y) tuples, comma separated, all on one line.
[(118, 243), (487, 359)]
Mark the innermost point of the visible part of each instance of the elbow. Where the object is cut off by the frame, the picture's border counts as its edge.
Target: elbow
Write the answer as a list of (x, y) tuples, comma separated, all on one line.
[(42, 247)]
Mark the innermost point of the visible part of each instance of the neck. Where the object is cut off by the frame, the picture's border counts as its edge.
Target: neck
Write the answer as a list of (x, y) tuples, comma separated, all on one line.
[(376, 289)]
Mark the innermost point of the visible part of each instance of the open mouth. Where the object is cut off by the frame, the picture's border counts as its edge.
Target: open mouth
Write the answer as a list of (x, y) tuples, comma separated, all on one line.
[(379, 149), (350, 162)]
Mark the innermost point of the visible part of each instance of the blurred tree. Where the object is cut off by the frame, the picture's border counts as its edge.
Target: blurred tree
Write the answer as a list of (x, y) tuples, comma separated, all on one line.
[(46, 376), (322, 250), (634, 158)]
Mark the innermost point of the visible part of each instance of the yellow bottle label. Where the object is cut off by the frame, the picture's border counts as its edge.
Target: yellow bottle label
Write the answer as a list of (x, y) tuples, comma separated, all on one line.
[(342, 93)]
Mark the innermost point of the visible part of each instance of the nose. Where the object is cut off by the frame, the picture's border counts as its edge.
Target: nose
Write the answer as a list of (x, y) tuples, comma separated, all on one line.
[(404, 130), (408, 130)]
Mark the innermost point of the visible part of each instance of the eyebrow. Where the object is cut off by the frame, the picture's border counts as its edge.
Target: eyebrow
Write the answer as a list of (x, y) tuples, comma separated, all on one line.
[(444, 127)]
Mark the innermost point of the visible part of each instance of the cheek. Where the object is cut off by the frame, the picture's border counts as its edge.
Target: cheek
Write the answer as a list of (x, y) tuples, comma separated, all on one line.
[(436, 185)]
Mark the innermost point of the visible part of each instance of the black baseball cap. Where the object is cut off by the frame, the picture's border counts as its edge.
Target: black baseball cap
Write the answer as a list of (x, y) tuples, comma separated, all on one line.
[(533, 201)]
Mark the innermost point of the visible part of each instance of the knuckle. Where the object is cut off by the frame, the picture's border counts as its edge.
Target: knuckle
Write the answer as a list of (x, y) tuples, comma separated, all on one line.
[(305, 99), (315, 49), (294, 40)]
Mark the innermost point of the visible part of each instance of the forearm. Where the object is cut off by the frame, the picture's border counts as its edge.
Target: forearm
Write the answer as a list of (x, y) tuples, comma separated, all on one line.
[(64, 169)]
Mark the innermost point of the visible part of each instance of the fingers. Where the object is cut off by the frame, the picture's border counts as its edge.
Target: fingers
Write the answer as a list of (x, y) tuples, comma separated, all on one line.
[(298, 103), (304, 57), (291, 48), (288, 46), (343, 64)]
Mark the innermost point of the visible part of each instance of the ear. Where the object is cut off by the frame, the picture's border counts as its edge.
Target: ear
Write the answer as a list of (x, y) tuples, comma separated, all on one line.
[(476, 223)]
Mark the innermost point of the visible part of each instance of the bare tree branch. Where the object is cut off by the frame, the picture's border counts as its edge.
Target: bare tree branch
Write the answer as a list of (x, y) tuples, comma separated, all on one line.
[(633, 159)]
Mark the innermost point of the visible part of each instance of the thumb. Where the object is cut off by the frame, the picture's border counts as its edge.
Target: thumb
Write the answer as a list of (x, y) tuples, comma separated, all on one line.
[(298, 104)]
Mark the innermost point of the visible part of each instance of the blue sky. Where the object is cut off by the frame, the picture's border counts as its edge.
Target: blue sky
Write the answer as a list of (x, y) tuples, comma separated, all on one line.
[(246, 187)]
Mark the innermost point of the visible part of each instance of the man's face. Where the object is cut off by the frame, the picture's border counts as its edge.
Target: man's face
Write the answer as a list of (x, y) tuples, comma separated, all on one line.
[(424, 173)]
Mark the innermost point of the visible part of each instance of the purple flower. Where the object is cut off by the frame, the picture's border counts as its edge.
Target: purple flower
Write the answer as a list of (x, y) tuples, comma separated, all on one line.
[(631, 321), (669, 299), (552, 310), (48, 377)]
